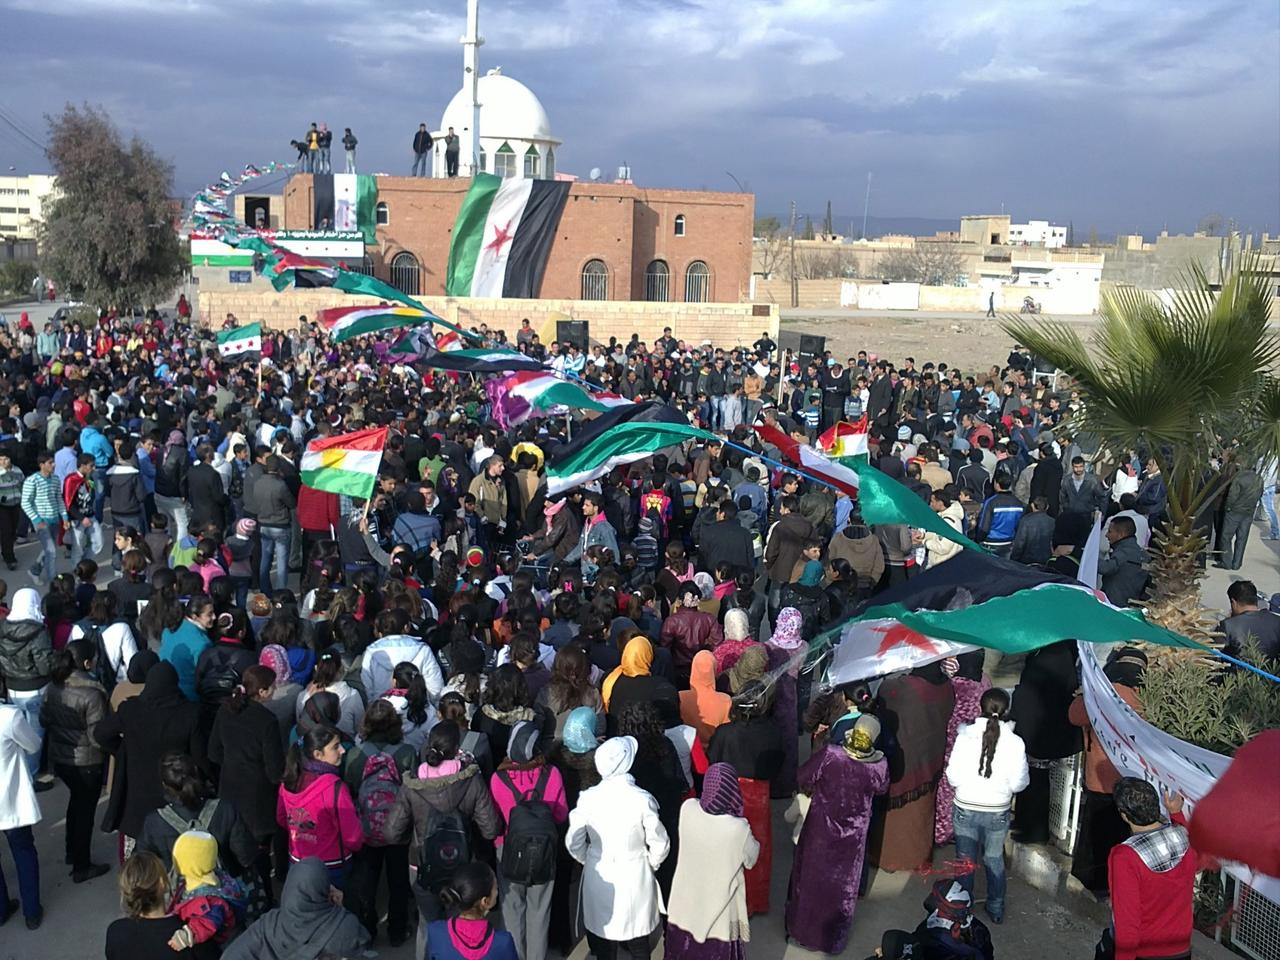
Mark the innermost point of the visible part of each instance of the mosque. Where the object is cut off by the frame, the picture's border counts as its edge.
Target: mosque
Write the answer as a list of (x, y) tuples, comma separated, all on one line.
[(616, 240)]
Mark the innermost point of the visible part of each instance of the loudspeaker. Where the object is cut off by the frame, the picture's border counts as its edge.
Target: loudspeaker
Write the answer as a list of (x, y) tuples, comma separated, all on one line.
[(811, 345), (575, 332)]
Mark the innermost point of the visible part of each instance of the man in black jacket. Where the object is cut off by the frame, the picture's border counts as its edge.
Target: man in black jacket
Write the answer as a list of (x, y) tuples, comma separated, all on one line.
[(1033, 543), (726, 541), (1046, 479), (421, 151), (276, 506), (208, 495)]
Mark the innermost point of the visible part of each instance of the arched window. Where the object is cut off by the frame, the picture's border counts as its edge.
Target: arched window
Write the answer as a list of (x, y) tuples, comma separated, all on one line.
[(697, 283), (657, 281), (405, 273), (595, 280), (551, 163), (532, 163), (382, 213), (504, 161), (679, 224)]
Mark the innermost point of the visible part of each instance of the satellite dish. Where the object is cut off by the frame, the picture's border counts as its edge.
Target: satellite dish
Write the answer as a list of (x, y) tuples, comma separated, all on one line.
[(595, 173)]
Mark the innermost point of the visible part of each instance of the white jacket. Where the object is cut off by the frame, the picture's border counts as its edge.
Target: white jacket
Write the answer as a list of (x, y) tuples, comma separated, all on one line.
[(381, 657), (940, 548), (615, 833), (119, 643), (18, 804), (1009, 773)]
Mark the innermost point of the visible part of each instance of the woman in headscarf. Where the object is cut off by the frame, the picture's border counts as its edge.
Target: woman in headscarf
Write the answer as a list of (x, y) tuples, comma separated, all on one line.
[(26, 659), (158, 721), (752, 744), (574, 754), (1100, 825), (916, 708), (752, 667), (1041, 702), (702, 706), (615, 833), (737, 638), (842, 780), (305, 926), (707, 910), (786, 647), (633, 682), (969, 683), (284, 692)]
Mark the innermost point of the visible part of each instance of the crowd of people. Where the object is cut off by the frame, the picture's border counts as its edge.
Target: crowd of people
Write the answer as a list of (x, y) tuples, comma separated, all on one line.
[(496, 721)]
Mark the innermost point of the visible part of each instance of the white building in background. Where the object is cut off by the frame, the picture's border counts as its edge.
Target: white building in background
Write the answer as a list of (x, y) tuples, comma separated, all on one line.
[(22, 201), (1037, 233), (515, 134)]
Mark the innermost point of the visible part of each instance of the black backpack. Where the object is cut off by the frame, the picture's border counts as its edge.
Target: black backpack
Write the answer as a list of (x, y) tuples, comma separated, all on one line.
[(104, 671), (446, 845), (529, 853)]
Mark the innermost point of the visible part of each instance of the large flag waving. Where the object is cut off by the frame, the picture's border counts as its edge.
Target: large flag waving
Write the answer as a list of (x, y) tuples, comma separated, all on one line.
[(872, 648), (246, 339), (503, 235), (845, 440), (346, 202), (346, 464), (480, 360), (531, 393), (343, 323), (625, 443)]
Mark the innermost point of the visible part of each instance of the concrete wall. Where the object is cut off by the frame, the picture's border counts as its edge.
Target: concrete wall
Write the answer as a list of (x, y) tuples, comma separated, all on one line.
[(1165, 264), (725, 324)]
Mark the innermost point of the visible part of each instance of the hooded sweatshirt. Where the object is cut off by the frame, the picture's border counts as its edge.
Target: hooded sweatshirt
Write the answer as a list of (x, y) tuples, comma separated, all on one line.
[(320, 817), (126, 490)]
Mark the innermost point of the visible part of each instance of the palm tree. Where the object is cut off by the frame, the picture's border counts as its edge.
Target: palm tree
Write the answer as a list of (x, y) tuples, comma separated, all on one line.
[(1188, 384)]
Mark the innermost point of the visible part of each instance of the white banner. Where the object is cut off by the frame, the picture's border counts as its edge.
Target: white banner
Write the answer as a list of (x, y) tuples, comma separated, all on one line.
[(1140, 750)]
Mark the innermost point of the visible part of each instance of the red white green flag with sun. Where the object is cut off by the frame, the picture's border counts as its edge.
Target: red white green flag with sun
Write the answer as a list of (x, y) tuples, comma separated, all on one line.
[(503, 235)]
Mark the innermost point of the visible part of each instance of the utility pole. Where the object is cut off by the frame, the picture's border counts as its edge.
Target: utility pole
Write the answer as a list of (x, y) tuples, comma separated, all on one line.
[(795, 286), (866, 205)]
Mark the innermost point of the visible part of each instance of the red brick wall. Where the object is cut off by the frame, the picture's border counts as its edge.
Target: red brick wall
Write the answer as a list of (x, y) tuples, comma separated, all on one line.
[(623, 225)]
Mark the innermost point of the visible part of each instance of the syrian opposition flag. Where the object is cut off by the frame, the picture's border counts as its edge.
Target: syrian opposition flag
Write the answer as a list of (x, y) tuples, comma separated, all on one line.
[(528, 393), (873, 648), (845, 440), (503, 235), (347, 464), (979, 599), (881, 499), (246, 339), (346, 202), (481, 360), (623, 444), (343, 323)]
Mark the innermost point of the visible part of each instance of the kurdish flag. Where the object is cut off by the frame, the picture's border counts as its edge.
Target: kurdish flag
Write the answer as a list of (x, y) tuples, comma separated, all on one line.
[(625, 443), (246, 339), (344, 202), (845, 440), (347, 464), (503, 235), (343, 323)]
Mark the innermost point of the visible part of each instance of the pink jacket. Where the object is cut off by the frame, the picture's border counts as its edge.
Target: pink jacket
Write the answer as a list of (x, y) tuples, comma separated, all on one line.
[(525, 780), (321, 819)]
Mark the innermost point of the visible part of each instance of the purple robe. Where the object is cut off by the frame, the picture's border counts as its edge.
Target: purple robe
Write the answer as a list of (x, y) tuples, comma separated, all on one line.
[(827, 869), (968, 705), (786, 714)]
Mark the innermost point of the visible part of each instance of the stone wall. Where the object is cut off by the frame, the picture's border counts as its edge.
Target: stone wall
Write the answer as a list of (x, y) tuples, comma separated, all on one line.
[(725, 324)]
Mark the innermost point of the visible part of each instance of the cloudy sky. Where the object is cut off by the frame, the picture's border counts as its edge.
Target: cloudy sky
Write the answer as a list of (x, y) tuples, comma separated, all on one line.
[(1129, 114)]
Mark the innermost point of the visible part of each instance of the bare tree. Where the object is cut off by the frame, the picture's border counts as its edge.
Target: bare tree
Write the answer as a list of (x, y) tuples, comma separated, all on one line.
[(934, 264), (770, 254), (825, 264)]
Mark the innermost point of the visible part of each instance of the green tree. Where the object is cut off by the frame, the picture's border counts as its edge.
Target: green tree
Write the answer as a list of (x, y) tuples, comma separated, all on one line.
[(108, 231), (1188, 385), (808, 229), (829, 224), (766, 227), (16, 276)]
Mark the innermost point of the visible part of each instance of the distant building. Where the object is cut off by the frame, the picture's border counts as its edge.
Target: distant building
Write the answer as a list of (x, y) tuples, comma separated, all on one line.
[(515, 134), (1037, 233), (985, 229), (22, 201)]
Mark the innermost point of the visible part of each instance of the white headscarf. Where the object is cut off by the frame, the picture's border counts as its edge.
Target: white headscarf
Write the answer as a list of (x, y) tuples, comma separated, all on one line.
[(615, 756), (737, 625), (26, 606)]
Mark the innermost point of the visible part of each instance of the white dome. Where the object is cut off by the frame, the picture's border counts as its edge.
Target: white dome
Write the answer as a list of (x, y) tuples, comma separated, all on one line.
[(508, 111)]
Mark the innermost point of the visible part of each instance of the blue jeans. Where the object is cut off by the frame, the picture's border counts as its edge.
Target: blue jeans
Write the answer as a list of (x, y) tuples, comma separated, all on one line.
[(47, 566), (23, 847), (981, 835), (324, 160), (29, 701), (85, 541), (99, 491), (275, 542), (420, 164), (351, 161), (1269, 507)]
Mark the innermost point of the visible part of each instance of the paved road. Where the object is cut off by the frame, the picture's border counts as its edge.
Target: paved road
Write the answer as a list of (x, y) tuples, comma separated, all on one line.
[(790, 314)]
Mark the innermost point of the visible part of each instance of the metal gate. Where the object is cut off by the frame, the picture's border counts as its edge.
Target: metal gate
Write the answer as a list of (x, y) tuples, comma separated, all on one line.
[(405, 273), (657, 282)]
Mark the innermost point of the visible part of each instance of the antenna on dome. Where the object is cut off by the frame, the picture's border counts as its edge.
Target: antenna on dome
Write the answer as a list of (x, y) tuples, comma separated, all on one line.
[(595, 173)]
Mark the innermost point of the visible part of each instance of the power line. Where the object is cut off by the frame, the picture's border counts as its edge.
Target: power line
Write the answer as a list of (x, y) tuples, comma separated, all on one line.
[(25, 127), (17, 128)]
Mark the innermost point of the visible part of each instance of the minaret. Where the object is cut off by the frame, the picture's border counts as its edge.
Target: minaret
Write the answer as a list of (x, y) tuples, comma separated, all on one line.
[(471, 43)]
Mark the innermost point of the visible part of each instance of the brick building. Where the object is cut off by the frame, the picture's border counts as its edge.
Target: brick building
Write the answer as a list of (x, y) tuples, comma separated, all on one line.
[(616, 241)]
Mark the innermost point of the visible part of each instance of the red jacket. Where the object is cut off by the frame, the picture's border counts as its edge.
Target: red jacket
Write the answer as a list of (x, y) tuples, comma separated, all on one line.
[(1151, 910), (317, 510)]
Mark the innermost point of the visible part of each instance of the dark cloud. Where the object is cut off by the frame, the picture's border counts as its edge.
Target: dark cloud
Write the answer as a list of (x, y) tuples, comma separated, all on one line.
[(1120, 116)]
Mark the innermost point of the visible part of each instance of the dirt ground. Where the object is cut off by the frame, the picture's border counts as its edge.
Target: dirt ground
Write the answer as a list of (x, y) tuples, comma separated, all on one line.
[(969, 341)]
